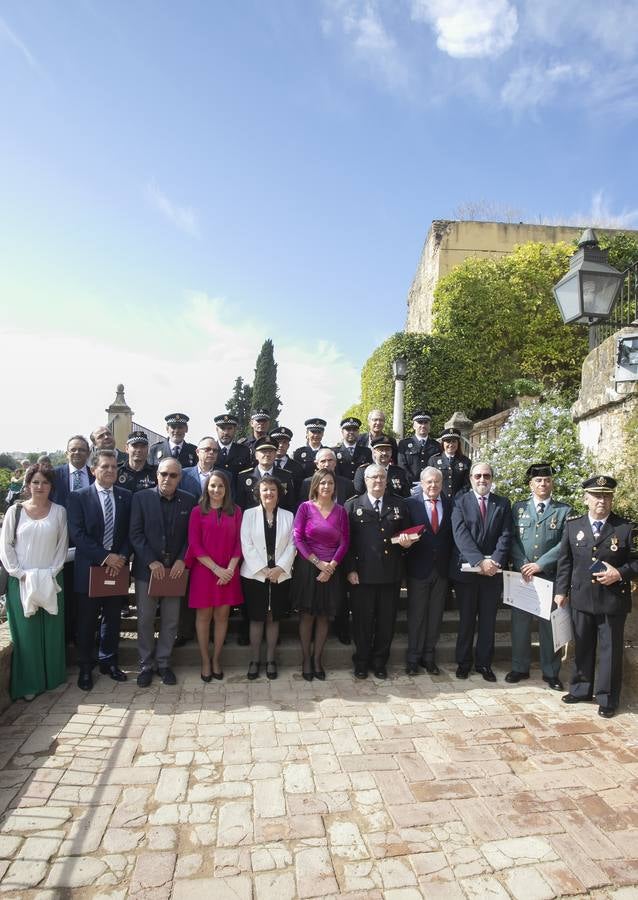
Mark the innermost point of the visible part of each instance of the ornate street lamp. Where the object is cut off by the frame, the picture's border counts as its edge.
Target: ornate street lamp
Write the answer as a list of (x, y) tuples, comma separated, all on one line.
[(399, 372), (587, 292)]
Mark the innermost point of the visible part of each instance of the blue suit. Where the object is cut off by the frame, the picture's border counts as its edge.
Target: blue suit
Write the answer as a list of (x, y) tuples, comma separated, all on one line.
[(86, 528), (61, 490), (478, 595), (427, 564), (190, 482)]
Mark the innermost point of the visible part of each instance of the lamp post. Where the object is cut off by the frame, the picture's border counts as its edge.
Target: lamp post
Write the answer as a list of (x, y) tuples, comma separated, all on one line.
[(586, 294), (399, 372)]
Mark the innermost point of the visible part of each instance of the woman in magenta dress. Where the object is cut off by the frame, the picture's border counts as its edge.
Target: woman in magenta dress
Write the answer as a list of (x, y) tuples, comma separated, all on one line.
[(321, 535), (214, 551)]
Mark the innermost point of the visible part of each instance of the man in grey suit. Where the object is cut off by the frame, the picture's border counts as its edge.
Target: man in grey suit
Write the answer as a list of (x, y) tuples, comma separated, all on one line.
[(159, 536)]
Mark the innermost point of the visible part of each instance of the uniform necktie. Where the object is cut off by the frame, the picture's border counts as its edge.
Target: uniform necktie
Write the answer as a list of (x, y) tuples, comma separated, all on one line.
[(77, 480), (377, 507), (280, 463), (597, 526), (175, 452), (541, 509), (224, 452), (434, 518), (483, 508), (108, 520)]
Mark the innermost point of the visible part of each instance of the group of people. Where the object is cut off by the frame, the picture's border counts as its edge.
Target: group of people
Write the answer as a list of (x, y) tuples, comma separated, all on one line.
[(330, 533)]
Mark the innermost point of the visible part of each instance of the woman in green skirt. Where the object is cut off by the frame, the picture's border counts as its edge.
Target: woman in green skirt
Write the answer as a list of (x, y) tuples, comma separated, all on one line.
[(33, 546)]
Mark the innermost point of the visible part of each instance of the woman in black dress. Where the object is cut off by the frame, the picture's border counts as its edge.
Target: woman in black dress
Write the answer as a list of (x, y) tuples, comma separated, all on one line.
[(268, 551)]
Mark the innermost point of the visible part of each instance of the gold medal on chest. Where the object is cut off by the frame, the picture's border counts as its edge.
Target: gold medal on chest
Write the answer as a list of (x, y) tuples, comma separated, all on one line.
[(614, 543), (552, 524)]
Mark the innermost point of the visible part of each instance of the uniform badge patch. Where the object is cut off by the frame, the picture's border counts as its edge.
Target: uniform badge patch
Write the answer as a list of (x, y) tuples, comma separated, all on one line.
[(580, 535), (249, 481), (359, 512), (122, 479)]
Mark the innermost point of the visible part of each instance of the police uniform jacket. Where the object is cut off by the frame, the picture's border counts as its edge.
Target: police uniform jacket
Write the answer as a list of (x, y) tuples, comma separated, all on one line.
[(455, 472), (246, 482), (305, 456), (398, 482), (162, 449), (296, 470), (579, 549), (237, 459), (348, 463), (413, 457), (371, 554), (136, 481), (537, 537), (364, 441)]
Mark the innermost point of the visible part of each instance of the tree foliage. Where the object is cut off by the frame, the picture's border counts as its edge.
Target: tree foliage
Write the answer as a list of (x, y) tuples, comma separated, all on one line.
[(265, 390), (540, 432), (240, 405), (8, 462)]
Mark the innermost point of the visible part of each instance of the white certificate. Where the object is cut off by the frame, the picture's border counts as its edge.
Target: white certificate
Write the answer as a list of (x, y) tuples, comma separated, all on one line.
[(533, 596), (562, 630)]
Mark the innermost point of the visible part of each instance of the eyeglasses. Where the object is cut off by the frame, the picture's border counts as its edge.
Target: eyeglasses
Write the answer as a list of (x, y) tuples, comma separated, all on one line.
[(481, 476), (168, 475)]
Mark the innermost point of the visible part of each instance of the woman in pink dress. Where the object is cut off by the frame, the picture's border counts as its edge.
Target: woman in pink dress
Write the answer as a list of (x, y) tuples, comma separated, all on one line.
[(214, 551), (322, 535)]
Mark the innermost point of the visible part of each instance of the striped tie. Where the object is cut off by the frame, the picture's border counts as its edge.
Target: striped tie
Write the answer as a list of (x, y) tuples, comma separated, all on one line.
[(109, 520)]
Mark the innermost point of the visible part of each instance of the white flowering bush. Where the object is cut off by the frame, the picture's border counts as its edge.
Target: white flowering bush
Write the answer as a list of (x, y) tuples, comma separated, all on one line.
[(542, 432)]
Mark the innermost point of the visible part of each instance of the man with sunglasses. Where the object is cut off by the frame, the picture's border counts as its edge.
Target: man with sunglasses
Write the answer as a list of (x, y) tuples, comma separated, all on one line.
[(159, 535), (482, 531)]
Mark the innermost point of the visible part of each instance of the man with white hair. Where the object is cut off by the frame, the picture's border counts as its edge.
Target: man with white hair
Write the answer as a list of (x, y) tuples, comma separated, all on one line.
[(326, 459)]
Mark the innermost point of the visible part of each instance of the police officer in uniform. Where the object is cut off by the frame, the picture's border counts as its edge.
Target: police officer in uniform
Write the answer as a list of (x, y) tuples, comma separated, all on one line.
[(174, 445), (136, 474), (233, 457), (265, 450), (260, 424), (397, 480), (282, 437), (373, 568), (414, 452), (305, 455), (597, 562), (537, 530), (452, 464), (349, 453)]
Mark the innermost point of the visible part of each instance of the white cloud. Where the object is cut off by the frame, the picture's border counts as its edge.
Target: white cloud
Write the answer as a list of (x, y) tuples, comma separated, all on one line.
[(213, 344), (182, 217), (8, 35), (473, 28), (601, 215), (536, 84), (368, 39)]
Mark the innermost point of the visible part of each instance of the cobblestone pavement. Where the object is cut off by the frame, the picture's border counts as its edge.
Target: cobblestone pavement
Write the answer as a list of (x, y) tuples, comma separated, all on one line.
[(423, 787)]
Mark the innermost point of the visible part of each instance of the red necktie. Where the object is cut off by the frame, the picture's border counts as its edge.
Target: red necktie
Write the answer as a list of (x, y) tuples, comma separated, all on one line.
[(483, 508), (434, 518)]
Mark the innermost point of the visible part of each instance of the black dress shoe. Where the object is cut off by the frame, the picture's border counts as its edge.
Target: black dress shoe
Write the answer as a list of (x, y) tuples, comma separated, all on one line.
[(570, 698), (607, 712), (319, 674), (344, 638), (381, 673), (486, 672), (144, 678), (462, 672), (360, 673), (411, 669), (206, 678), (307, 676), (432, 669), (253, 671), (218, 676), (514, 677), (271, 670), (167, 675), (85, 680), (113, 672), (555, 683)]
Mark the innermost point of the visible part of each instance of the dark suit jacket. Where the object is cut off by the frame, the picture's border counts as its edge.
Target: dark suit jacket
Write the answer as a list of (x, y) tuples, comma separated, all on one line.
[(246, 482), (162, 449), (146, 531), (398, 482), (414, 458), (237, 459), (61, 490), (371, 553), (305, 456), (474, 540), (298, 475), (345, 489), (86, 528), (617, 545), (431, 551)]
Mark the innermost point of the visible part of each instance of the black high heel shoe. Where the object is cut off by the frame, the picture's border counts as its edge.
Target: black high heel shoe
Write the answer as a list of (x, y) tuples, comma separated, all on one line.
[(307, 676), (318, 673), (271, 670), (206, 678), (253, 671)]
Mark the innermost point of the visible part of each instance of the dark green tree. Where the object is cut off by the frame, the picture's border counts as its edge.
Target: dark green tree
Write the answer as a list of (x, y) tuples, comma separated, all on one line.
[(8, 462), (240, 404), (265, 390)]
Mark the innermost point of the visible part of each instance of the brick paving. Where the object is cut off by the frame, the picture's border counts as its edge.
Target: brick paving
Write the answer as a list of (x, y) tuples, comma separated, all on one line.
[(414, 787)]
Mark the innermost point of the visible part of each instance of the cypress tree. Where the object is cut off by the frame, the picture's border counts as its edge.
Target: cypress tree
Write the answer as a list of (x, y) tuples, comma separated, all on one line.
[(240, 405), (265, 391)]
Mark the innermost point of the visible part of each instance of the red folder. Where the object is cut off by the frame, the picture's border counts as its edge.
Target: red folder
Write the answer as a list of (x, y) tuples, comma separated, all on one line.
[(413, 533), (103, 585), (168, 587)]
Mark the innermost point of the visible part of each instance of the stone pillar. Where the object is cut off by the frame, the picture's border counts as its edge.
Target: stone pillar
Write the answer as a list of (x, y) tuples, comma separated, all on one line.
[(120, 416), (397, 414)]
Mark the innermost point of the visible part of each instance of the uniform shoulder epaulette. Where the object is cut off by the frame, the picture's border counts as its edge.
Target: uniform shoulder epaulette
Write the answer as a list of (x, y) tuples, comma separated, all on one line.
[(241, 440), (244, 471), (574, 516)]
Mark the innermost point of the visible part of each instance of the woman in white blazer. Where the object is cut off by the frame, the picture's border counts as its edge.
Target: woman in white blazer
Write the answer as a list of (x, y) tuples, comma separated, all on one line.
[(268, 552)]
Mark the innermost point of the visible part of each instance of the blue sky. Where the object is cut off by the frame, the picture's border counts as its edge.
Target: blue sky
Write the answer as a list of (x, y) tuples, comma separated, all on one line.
[(180, 181)]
